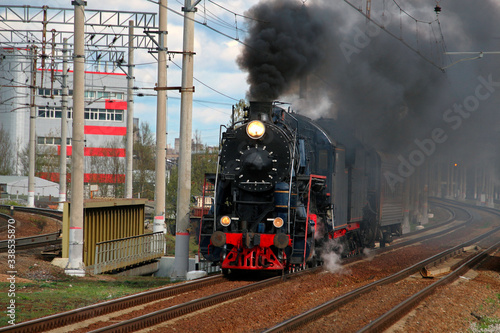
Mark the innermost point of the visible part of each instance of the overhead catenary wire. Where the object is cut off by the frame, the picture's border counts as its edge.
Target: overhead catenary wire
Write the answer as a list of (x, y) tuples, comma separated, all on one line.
[(234, 13), (411, 16), (205, 25), (206, 85), (401, 40), (436, 20)]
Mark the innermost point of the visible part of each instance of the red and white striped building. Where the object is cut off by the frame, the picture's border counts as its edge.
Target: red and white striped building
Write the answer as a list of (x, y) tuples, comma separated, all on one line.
[(105, 114)]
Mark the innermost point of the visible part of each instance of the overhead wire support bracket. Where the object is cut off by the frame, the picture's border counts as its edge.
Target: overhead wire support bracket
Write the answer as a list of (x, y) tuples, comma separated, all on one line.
[(149, 32), (79, 3), (120, 66), (180, 89), (192, 8)]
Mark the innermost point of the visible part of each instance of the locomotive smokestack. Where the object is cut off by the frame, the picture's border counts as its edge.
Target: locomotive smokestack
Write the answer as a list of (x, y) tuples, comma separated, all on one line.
[(260, 110)]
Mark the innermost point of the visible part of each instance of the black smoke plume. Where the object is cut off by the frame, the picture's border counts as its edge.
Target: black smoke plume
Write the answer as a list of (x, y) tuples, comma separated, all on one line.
[(390, 90), (284, 46)]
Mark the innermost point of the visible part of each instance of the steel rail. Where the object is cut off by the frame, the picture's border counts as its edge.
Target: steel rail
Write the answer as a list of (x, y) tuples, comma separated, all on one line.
[(33, 241), (330, 306), (163, 315), (91, 311), (7, 218), (39, 211)]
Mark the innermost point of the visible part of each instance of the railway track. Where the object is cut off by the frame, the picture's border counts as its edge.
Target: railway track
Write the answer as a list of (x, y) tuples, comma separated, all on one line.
[(59, 321), (153, 317), (163, 315), (31, 241), (150, 319), (39, 211), (396, 313), (302, 322), (81, 314), (404, 307)]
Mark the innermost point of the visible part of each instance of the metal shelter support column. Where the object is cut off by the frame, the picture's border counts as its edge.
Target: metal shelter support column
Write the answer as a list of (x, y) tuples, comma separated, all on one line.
[(181, 262), (161, 121), (75, 264)]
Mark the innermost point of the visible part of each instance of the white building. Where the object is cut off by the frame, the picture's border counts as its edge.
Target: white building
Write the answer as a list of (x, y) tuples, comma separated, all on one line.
[(105, 114)]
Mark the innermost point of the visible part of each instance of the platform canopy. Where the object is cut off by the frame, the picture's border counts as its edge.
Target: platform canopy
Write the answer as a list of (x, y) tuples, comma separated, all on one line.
[(18, 185)]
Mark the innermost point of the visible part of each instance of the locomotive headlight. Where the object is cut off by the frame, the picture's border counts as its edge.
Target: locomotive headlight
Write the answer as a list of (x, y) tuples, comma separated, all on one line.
[(256, 129), (278, 222), (225, 221)]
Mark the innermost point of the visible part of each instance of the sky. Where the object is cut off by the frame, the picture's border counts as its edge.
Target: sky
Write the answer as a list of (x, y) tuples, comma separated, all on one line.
[(395, 88)]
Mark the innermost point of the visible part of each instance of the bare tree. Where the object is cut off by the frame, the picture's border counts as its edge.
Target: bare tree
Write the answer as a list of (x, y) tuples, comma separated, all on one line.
[(144, 162), (46, 162), (239, 110), (116, 168), (108, 170), (6, 160)]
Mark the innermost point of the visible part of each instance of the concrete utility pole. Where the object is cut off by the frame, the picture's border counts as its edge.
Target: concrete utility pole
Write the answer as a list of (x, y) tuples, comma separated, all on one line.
[(161, 121), (181, 263), (130, 114), (64, 128), (32, 138), (75, 264)]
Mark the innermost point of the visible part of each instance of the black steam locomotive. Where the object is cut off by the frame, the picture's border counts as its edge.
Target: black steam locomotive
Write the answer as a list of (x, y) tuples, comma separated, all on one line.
[(285, 187)]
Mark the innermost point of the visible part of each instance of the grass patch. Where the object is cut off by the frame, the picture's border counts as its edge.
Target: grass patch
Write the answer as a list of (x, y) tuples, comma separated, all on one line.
[(43, 298), (39, 221), (13, 203), (486, 325)]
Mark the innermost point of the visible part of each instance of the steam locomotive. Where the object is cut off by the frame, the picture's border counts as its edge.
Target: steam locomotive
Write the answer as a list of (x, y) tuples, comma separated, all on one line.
[(285, 188)]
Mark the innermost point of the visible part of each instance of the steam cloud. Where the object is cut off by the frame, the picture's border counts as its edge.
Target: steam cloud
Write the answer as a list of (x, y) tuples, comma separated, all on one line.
[(332, 260), (376, 86)]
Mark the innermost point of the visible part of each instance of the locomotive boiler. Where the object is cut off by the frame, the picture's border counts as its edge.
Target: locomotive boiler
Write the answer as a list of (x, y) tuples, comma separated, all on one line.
[(286, 185)]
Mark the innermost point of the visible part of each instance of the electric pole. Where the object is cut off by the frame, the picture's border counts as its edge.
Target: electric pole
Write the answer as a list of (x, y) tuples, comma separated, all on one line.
[(161, 121), (75, 263), (181, 263), (32, 138), (64, 128), (130, 114)]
